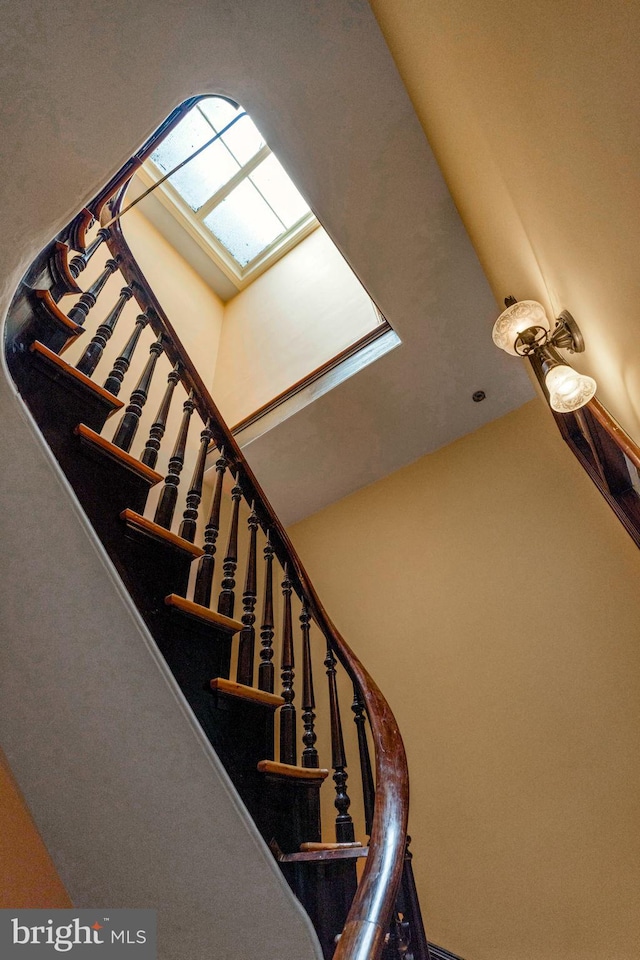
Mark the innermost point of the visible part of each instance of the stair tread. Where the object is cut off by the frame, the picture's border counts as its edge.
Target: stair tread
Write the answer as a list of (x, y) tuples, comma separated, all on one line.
[(315, 846), (274, 768), (308, 856), (199, 612), (154, 530), (115, 453), (243, 692), (74, 329), (53, 358)]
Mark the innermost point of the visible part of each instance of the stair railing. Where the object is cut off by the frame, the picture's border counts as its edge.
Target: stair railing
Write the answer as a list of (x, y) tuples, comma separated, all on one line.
[(385, 898), (368, 920)]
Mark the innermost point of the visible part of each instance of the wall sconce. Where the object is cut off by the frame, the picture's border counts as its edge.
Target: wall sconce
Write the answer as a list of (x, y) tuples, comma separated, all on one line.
[(523, 330)]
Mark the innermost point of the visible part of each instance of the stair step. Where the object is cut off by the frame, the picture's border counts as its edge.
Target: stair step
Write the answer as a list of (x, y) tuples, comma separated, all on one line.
[(310, 856), (67, 371), (56, 319), (240, 690), (316, 847), (291, 772), (204, 614), (97, 442), (153, 530)]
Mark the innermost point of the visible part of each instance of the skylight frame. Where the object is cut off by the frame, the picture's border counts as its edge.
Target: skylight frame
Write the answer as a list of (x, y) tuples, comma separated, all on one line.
[(193, 220)]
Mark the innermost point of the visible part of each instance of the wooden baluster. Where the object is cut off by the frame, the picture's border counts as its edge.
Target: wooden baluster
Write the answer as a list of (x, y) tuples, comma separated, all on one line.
[(189, 523), (169, 496), (309, 754), (368, 789), (152, 446), (247, 641), (123, 362), (79, 262), (265, 670), (206, 564), (226, 601), (407, 904), (93, 353), (344, 823), (288, 746), (128, 426), (87, 301)]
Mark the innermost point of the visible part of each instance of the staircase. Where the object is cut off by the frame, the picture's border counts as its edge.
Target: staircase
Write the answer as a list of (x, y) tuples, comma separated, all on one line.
[(220, 589)]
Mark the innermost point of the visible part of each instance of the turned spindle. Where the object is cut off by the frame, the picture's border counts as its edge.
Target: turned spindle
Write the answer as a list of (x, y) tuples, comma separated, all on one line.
[(93, 353), (169, 496), (189, 523), (80, 261), (288, 746), (128, 426), (344, 823), (266, 668), (78, 313), (122, 363), (206, 564), (247, 640), (226, 600), (368, 789), (159, 425), (309, 754)]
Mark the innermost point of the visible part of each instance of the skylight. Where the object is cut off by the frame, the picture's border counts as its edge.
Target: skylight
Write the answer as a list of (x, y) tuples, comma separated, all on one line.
[(236, 193)]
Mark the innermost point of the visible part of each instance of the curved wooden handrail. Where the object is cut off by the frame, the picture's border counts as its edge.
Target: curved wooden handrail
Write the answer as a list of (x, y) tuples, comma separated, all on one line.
[(626, 443), (368, 919)]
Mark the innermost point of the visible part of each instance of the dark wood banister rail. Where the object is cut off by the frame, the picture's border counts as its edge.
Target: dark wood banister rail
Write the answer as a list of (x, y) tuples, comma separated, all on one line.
[(368, 919)]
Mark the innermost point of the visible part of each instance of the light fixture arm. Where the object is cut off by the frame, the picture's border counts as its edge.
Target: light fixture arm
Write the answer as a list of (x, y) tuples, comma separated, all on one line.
[(567, 335)]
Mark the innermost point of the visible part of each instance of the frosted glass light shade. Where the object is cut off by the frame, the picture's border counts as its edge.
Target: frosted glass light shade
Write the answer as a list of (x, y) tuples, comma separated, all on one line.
[(515, 319), (568, 389)]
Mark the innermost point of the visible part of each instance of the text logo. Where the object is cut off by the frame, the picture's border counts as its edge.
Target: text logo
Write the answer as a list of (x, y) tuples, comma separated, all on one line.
[(80, 934)]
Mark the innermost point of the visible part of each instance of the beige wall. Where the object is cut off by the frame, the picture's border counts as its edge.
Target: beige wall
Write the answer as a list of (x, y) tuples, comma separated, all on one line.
[(530, 109), (28, 878), (300, 313), (494, 595), (191, 305)]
